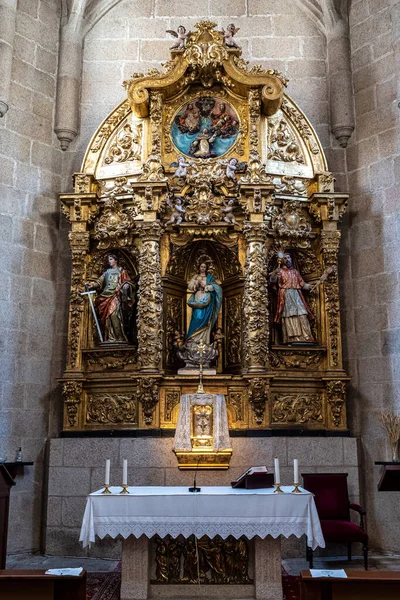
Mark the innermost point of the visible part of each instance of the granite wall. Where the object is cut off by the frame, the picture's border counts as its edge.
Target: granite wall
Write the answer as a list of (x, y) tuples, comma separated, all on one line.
[(30, 179), (371, 305)]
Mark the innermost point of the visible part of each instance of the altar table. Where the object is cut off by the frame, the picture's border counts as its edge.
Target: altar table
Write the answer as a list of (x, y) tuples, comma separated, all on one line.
[(160, 511)]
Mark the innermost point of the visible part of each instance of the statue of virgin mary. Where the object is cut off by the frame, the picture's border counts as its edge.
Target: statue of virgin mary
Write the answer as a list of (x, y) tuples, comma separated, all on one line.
[(205, 303)]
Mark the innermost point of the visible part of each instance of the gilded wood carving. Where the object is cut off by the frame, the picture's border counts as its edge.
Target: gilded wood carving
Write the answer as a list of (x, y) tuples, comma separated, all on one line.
[(207, 162)]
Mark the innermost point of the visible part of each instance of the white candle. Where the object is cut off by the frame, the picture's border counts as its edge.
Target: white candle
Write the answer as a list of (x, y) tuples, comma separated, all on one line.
[(107, 478), (125, 472), (276, 469), (296, 470)]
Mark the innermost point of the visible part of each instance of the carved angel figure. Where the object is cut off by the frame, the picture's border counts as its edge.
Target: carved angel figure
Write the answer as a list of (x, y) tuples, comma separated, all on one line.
[(231, 30), (178, 210), (182, 167), (181, 36), (227, 212), (232, 166)]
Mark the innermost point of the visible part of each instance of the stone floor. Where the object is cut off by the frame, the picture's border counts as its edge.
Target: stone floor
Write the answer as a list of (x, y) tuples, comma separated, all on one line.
[(292, 565)]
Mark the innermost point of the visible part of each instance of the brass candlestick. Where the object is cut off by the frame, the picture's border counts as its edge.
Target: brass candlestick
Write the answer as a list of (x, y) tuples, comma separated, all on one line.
[(124, 490), (296, 489), (106, 489), (277, 487)]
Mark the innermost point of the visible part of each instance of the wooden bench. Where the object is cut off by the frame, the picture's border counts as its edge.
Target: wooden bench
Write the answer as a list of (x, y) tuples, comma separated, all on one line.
[(35, 585), (359, 585)]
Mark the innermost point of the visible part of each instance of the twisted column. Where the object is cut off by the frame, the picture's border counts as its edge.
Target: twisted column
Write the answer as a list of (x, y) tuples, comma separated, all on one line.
[(150, 299), (255, 301)]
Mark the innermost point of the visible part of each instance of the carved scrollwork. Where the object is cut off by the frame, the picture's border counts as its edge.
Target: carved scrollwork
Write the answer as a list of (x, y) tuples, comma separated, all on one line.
[(114, 227), (336, 396), (308, 262), (329, 248), (290, 185), (292, 224), (110, 125), (82, 183), (258, 396), (302, 126), (233, 328), (148, 388), (282, 143), (236, 403), (295, 359), (205, 55), (172, 399), (72, 392), (255, 173), (326, 182), (174, 320), (79, 242), (127, 146), (111, 360), (153, 169), (111, 408), (297, 408)]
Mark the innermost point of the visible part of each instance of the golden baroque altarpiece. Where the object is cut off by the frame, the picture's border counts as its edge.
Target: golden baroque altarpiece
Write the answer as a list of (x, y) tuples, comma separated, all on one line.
[(207, 165)]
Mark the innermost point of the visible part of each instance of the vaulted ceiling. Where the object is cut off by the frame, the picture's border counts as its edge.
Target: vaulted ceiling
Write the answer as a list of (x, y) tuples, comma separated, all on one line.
[(324, 13)]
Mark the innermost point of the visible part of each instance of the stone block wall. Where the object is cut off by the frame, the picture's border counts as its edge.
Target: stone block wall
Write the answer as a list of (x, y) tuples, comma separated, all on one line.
[(30, 178), (77, 466), (371, 306)]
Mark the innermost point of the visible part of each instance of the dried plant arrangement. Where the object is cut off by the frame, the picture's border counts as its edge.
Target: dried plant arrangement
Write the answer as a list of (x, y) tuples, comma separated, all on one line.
[(391, 422)]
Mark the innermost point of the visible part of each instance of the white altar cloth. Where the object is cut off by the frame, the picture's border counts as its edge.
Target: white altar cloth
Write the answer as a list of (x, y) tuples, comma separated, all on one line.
[(214, 511)]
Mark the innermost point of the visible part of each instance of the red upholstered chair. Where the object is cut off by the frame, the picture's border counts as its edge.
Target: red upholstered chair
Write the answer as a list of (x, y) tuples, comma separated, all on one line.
[(333, 506)]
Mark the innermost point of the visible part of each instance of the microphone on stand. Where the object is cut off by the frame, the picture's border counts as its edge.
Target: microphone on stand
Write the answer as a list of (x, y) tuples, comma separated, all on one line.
[(195, 489)]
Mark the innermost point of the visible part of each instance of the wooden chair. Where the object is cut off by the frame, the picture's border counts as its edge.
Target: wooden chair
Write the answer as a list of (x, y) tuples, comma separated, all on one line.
[(333, 506)]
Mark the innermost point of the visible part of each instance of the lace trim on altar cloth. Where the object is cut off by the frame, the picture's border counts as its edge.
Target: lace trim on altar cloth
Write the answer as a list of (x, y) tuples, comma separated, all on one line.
[(182, 441), (212, 529)]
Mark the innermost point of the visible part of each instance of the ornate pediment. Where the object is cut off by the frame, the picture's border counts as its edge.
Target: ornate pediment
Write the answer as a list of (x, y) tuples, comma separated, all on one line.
[(205, 59)]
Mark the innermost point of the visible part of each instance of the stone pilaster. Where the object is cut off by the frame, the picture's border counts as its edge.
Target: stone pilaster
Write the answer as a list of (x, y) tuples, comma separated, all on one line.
[(69, 76), (340, 82)]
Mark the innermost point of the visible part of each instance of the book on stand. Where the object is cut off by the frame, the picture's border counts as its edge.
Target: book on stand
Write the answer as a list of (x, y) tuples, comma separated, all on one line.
[(254, 478)]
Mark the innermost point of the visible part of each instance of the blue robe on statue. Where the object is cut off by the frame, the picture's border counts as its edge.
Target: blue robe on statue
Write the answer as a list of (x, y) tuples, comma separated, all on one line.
[(205, 310)]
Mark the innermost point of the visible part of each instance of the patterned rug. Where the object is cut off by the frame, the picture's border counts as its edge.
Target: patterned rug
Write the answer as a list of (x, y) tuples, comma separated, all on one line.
[(106, 586)]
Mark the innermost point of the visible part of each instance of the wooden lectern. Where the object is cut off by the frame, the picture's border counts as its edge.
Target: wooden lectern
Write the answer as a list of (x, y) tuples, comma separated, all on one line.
[(6, 481)]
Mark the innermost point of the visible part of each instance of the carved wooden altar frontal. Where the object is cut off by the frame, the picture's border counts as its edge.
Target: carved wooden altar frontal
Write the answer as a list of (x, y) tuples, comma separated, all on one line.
[(207, 185)]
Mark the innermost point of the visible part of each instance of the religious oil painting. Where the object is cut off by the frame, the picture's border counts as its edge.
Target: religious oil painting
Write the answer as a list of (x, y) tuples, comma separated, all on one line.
[(205, 127)]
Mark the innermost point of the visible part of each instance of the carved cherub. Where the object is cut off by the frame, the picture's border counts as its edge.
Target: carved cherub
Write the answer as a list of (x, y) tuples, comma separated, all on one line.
[(182, 167), (231, 30), (231, 166), (175, 202), (227, 212), (181, 36)]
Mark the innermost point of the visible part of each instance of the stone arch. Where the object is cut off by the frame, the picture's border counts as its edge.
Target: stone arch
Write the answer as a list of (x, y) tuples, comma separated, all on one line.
[(323, 13)]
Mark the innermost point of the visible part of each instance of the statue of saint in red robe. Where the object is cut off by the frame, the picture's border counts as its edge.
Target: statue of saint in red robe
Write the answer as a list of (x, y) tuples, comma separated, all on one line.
[(292, 311)]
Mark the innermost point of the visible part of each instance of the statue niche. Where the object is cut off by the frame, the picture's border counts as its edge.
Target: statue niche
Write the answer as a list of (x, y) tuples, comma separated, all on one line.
[(114, 303), (206, 272)]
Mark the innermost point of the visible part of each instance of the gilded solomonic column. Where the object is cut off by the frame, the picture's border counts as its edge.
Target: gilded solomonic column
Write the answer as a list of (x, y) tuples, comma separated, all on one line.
[(150, 298), (255, 302)]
